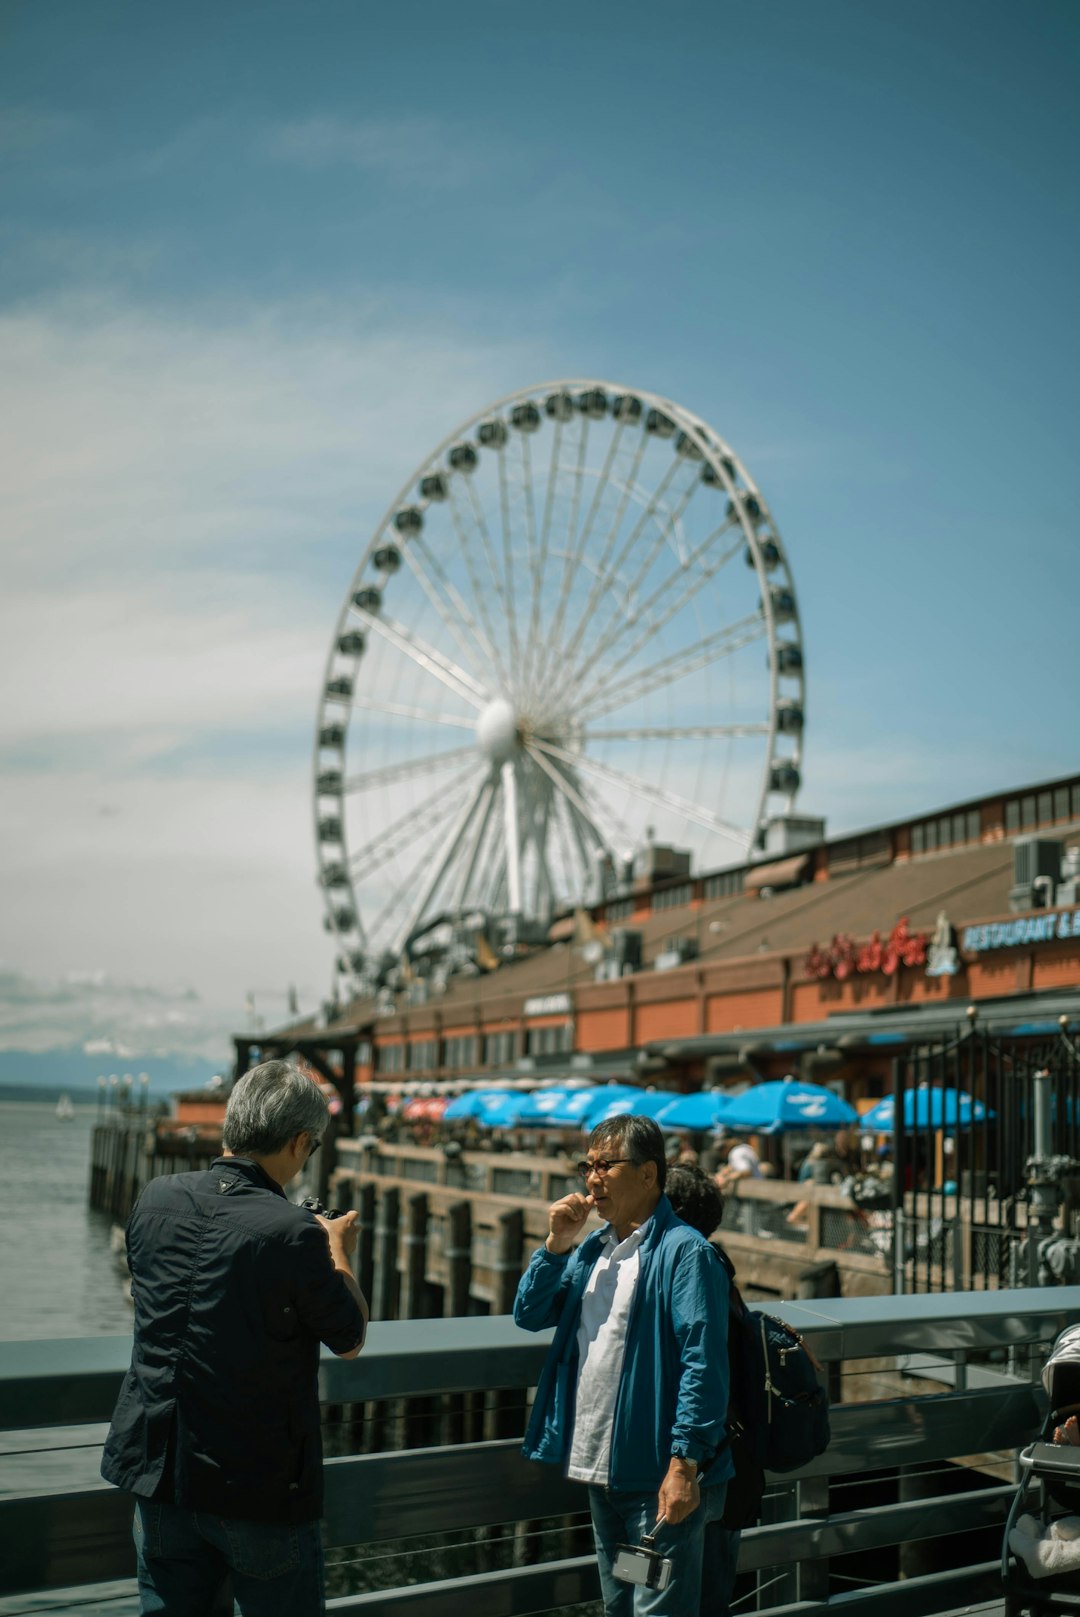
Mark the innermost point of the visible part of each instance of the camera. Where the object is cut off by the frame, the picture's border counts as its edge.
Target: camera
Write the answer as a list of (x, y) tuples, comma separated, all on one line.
[(635, 1564), (314, 1205)]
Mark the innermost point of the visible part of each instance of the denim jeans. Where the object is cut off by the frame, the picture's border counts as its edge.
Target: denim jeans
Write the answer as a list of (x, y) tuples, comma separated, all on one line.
[(624, 1518), (187, 1559)]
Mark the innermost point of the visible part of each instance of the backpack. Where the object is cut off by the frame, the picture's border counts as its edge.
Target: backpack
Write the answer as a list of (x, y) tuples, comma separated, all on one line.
[(778, 1412)]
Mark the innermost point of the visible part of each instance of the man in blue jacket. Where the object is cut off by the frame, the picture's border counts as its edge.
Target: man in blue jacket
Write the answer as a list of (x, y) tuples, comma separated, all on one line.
[(633, 1396)]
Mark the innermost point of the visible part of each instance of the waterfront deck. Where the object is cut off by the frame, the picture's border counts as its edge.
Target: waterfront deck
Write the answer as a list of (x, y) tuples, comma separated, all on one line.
[(902, 1515)]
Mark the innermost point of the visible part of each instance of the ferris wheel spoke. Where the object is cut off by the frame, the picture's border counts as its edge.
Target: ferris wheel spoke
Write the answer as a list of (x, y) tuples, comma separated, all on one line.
[(629, 621), (536, 594), (450, 605), (508, 560), (660, 795), (399, 710), (531, 537), (608, 582), (482, 824), (609, 695), (565, 784), (417, 820), (676, 732), (450, 850), (487, 636), (494, 568), (645, 610), (387, 774), (575, 550), (629, 483), (426, 657)]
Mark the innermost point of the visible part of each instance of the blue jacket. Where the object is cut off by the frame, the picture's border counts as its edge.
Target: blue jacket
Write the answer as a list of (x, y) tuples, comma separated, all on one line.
[(673, 1393)]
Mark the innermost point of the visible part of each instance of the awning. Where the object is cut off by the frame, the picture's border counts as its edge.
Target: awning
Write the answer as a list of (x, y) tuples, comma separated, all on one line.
[(780, 873)]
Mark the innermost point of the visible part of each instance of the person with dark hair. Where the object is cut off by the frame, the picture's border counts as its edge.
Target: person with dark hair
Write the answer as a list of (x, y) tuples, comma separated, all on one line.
[(216, 1430), (633, 1396), (696, 1199)]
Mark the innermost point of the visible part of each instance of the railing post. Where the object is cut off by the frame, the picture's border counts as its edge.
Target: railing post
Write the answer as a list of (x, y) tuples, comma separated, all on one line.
[(458, 1256), (506, 1406), (416, 1298), (365, 1239), (386, 1239)]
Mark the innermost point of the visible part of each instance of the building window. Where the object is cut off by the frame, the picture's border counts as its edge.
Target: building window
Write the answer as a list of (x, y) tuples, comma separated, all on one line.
[(500, 1049), (390, 1058), (1076, 801), (1061, 802), (1012, 816), (931, 836), (1045, 808), (549, 1041), (620, 909), (974, 825), (1027, 812), (671, 898), (460, 1050), (918, 839), (423, 1055), (726, 884), (959, 830)]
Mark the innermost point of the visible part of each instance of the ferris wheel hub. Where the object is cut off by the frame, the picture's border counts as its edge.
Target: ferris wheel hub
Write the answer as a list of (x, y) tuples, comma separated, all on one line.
[(497, 731)]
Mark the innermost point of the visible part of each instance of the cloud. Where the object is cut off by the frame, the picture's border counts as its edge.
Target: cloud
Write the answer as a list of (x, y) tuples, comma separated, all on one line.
[(401, 151), (185, 496), (105, 1015)]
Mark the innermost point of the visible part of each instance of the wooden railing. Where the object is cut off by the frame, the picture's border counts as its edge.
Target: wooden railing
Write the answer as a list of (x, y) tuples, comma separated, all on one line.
[(916, 1481)]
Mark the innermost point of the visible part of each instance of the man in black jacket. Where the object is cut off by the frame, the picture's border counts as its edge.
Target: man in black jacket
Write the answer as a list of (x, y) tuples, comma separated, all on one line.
[(216, 1430)]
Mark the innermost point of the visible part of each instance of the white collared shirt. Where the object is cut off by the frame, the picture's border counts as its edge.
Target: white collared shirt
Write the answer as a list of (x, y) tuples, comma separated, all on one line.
[(601, 1341)]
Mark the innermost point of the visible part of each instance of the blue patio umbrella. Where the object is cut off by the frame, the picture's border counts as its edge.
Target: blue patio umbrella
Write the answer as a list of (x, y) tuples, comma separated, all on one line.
[(703, 1110), (788, 1104), (637, 1103), (475, 1103), (569, 1108), (926, 1108), (505, 1115)]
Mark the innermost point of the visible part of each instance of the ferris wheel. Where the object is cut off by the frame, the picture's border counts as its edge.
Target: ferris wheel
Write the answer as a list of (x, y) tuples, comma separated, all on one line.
[(573, 631)]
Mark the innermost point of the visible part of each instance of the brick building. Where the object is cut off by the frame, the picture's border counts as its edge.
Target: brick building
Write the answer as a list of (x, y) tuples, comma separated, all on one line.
[(821, 961)]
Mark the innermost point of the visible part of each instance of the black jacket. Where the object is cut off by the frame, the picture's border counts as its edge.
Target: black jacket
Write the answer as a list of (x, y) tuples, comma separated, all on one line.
[(234, 1289)]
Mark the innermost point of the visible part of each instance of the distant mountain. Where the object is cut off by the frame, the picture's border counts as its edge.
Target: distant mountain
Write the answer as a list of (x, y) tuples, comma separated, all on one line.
[(71, 1069)]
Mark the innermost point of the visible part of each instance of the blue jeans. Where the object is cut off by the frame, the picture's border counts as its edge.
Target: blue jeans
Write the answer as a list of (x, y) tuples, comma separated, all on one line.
[(186, 1559), (624, 1518)]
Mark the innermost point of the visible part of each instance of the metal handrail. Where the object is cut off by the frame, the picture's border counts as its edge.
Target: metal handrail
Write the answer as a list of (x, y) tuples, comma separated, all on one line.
[(80, 1532)]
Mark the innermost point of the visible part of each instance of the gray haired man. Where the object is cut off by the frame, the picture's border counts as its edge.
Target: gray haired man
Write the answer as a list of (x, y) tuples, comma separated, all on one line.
[(216, 1430)]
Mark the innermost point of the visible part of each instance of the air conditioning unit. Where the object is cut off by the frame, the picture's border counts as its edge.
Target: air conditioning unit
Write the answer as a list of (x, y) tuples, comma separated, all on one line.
[(677, 953), (1036, 872), (626, 950)]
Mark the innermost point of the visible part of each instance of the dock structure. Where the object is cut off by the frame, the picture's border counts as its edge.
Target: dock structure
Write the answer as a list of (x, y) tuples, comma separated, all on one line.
[(431, 1509)]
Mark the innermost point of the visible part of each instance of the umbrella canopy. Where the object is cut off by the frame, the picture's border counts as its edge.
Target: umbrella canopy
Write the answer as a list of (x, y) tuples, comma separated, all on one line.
[(476, 1103), (506, 1115), (926, 1108), (787, 1104), (430, 1107), (703, 1110), (637, 1103), (575, 1108), (545, 1107)]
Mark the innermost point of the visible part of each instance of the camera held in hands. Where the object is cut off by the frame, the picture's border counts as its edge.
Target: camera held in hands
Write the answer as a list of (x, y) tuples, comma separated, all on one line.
[(314, 1205), (641, 1563)]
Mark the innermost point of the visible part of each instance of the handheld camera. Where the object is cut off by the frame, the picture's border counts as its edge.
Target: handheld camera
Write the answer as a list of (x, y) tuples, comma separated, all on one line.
[(642, 1563)]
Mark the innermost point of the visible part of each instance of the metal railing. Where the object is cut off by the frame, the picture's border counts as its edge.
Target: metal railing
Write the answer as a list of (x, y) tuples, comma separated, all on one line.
[(932, 1395)]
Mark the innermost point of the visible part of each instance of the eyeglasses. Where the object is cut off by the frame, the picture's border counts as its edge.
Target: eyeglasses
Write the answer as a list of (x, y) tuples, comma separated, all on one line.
[(602, 1166), (313, 1148)]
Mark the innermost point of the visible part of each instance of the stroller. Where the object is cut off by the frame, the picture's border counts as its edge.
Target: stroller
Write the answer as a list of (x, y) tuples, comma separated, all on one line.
[(1040, 1556)]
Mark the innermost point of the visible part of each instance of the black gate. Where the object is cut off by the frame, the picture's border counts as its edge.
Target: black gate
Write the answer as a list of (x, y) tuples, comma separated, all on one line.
[(965, 1191)]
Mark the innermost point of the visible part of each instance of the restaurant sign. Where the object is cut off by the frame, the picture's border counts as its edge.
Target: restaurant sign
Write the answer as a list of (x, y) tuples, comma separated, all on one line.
[(1047, 928), (548, 1005), (845, 958)]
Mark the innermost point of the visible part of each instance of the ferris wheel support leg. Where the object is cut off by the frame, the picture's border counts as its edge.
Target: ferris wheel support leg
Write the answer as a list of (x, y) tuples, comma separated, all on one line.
[(510, 830)]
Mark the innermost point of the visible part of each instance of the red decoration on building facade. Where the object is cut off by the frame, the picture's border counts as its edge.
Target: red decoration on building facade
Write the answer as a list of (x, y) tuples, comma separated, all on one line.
[(844, 957)]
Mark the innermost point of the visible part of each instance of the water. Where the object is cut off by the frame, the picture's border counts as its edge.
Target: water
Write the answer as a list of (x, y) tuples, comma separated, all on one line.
[(58, 1276)]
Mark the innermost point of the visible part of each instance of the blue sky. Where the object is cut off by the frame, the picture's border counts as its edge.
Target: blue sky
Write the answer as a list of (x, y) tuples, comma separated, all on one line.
[(256, 260)]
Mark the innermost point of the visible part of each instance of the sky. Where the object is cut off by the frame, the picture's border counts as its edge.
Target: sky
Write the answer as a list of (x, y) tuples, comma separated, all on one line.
[(256, 261)]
